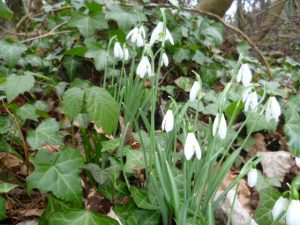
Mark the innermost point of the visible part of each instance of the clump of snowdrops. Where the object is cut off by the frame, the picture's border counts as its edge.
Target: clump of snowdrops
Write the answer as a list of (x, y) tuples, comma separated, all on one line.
[(186, 181)]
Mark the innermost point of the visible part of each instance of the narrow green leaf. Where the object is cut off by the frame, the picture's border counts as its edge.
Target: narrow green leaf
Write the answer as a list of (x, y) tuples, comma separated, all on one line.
[(5, 12), (141, 198), (2, 209), (144, 217), (6, 187)]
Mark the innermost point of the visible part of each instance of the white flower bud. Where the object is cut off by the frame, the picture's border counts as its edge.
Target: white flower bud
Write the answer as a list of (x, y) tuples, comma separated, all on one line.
[(280, 205), (191, 146), (194, 91), (293, 213), (244, 75), (252, 177), (168, 121)]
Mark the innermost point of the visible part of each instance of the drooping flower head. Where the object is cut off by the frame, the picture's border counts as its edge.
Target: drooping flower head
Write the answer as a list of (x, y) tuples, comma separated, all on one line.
[(273, 110), (293, 213), (194, 91), (165, 59), (244, 75), (137, 36), (220, 126), (118, 51), (252, 177), (144, 67), (157, 34), (168, 121), (250, 99), (279, 206), (126, 53), (191, 146)]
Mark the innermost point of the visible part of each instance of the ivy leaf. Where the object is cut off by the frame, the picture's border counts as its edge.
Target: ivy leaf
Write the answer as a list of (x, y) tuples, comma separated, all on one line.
[(102, 108), (144, 217), (2, 209), (11, 52), (181, 54), (58, 173), (99, 56), (80, 217), (185, 83), (6, 187), (134, 160), (45, 133), (73, 101), (87, 24), (125, 19), (5, 12), (141, 198), (292, 128), (27, 111), (71, 64), (263, 212), (16, 85), (261, 124)]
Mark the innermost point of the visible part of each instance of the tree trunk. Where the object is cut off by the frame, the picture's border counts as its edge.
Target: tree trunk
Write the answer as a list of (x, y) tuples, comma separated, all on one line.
[(218, 7), (269, 21)]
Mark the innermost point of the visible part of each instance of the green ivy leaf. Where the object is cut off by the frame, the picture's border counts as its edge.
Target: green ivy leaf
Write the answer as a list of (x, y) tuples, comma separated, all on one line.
[(11, 52), (125, 19), (5, 12), (144, 217), (80, 217), (102, 108), (261, 124), (99, 56), (71, 64), (134, 160), (58, 173), (141, 198), (292, 128), (185, 83), (73, 101), (87, 24), (6, 187), (16, 85), (181, 54), (263, 212), (26, 112), (2, 209), (45, 133)]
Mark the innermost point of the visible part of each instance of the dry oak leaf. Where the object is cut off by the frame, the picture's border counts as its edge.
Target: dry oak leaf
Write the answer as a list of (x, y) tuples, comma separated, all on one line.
[(276, 164)]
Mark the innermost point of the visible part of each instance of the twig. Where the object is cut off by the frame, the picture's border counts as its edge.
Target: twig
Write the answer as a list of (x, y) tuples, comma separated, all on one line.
[(219, 19), (26, 148)]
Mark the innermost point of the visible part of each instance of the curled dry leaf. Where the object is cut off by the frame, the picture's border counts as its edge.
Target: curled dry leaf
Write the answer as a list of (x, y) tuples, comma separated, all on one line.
[(276, 164), (239, 215)]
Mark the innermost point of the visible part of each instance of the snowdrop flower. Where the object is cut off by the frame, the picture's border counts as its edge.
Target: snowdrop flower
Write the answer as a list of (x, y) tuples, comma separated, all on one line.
[(137, 36), (118, 51), (297, 159), (252, 177), (280, 205), (144, 67), (194, 91), (157, 34), (126, 53), (165, 60), (293, 213), (191, 146), (244, 75), (168, 121), (222, 130), (250, 100), (273, 110)]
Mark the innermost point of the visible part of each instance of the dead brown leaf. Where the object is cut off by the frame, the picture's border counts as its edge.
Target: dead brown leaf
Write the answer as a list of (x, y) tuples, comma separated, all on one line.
[(31, 212), (276, 164), (13, 164)]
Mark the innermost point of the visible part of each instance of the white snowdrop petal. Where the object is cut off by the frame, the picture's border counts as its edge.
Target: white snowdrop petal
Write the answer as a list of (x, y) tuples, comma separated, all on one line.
[(191, 146), (273, 110), (169, 37), (246, 76), (293, 213), (223, 127), (215, 125), (252, 178), (168, 121), (126, 54), (297, 159), (194, 91), (279, 206), (118, 51), (155, 36), (165, 59)]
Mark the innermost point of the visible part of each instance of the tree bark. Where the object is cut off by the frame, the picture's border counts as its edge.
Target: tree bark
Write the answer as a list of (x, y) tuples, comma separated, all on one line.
[(218, 7), (269, 21)]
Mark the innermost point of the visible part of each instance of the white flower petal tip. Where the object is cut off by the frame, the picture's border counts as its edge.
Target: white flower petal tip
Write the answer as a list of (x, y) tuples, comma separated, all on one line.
[(297, 160), (126, 54), (194, 91), (273, 110), (293, 213), (144, 68), (165, 60), (191, 146), (113, 215), (252, 178), (244, 75), (168, 121), (118, 51), (222, 131), (137, 36), (280, 205), (157, 34), (251, 100)]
